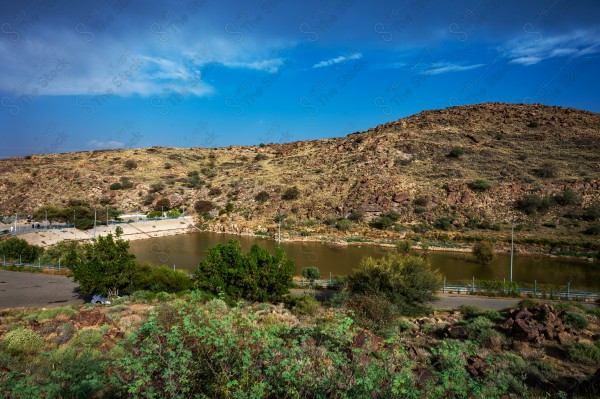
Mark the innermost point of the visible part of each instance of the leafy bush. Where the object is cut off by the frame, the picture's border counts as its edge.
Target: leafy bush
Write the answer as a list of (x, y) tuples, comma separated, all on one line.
[(215, 191), (444, 223), (163, 203), (304, 305), (262, 196), (126, 183), (15, 248), (203, 206), (311, 273), (532, 204), (343, 224), (356, 215), (22, 341), (479, 185), (156, 187), (116, 186), (484, 252), (258, 275), (469, 311), (130, 164), (576, 320), (407, 281), (455, 152), (386, 220), (480, 330), (291, 193), (154, 214), (159, 278), (546, 170), (580, 352), (533, 124), (173, 213), (87, 338), (260, 157), (374, 312), (404, 247), (568, 197), (593, 230), (591, 213), (421, 201)]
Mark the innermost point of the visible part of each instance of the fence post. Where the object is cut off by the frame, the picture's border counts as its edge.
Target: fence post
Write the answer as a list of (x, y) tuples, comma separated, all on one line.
[(473, 286), (504, 286), (4, 257), (39, 263), (444, 287), (58, 263), (535, 288), (20, 261), (569, 290)]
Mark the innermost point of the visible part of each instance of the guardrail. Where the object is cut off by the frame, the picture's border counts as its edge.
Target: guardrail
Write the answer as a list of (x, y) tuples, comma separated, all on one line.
[(566, 293)]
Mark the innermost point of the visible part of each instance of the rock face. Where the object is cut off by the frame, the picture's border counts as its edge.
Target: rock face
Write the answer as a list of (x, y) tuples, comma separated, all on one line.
[(539, 324)]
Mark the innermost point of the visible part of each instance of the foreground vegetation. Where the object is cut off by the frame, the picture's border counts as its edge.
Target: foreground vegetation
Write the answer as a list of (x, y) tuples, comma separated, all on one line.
[(196, 345)]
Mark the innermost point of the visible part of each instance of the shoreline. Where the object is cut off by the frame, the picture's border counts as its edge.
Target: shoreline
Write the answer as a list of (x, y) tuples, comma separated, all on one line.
[(143, 230)]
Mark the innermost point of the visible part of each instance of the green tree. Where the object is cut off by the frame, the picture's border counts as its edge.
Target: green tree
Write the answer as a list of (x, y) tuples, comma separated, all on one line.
[(257, 276), (17, 249), (484, 252), (406, 281), (311, 273), (103, 266)]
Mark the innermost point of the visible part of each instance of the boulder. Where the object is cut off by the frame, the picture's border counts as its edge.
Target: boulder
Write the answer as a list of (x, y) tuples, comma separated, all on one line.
[(508, 324), (525, 330), (564, 338), (457, 332)]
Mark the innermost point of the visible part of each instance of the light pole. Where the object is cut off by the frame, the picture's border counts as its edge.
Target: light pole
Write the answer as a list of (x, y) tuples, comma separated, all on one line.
[(95, 212), (512, 249), (46, 219)]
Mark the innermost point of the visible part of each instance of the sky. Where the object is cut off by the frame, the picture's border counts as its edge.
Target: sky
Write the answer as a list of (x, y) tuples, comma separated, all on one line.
[(88, 75)]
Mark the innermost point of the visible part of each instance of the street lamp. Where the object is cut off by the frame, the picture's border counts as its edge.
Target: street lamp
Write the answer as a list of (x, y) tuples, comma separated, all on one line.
[(512, 248), (46, 219)]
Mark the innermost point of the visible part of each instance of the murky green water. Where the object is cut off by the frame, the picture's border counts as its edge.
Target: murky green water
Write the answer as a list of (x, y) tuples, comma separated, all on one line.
[(185, 251)]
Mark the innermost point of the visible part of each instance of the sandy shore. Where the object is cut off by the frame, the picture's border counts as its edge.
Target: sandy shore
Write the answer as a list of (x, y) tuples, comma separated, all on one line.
[(131, 231)]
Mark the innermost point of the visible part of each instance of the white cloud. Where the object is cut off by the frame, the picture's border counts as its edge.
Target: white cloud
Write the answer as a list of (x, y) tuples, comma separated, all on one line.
[(271, 65), (112, 144), (337, 60), (527, 50), (443, 67)]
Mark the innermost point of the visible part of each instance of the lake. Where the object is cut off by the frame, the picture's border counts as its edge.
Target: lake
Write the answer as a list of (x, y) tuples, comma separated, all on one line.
[(186, 250)]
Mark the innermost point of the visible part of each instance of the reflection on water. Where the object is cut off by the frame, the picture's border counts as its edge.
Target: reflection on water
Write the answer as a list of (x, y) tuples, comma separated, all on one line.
[(185, 251)]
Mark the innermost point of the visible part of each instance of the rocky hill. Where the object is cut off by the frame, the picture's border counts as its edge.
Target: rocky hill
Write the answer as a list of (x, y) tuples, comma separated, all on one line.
[(459, 170)]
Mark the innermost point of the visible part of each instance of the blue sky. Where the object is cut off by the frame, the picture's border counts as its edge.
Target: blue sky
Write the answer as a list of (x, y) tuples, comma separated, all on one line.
[(202, 73)]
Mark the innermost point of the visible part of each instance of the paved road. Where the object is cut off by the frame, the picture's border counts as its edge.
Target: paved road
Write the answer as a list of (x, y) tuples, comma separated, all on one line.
[(36, 290)]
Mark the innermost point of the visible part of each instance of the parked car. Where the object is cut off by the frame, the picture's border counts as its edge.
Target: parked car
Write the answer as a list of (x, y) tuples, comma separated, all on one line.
[(100, 299)]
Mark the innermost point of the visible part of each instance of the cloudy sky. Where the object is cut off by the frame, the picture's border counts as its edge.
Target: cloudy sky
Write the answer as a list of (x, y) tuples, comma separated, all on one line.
[(84, 75)]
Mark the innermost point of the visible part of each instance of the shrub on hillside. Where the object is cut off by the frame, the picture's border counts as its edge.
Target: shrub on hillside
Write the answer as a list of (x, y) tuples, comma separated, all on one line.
[(163, 203), (291, 193), (580, 352), (591, 213), (531, 204), (356, 215), (576, 320), (568, 197), (22, 341), (156, 187), (479, 185), (455, 152), (130, 164), (203, 206), (116, 186), (262, 196), (214, 192), (593, 230), (546, 170)]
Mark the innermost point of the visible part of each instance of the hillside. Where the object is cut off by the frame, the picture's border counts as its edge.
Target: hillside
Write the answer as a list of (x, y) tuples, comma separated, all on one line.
[(421, 167)]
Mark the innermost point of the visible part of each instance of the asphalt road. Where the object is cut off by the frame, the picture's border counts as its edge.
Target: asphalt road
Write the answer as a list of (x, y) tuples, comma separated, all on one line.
[(36, 290)]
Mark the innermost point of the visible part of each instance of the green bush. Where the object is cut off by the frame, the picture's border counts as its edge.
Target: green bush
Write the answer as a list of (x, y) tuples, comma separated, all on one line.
[(203, 206), (484, 252), (257, 275), (568, 197), (304, 305), (143, 296), (154, 214), (262, 196), (130, 164), (22, 341), (291, 193), (356, 215), (163, 203), (479, 185), (406, 281), (591, 213), (455, 152), (532, 204), (156, 187), (547, 170), (593, 230), (343, 224), (580, 352), (480, 330), (576, 320), (311, 273), (215, 191), (154, 278), (470, 311), (87, 338), (18, 249), (260, 157), (116, 186)]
